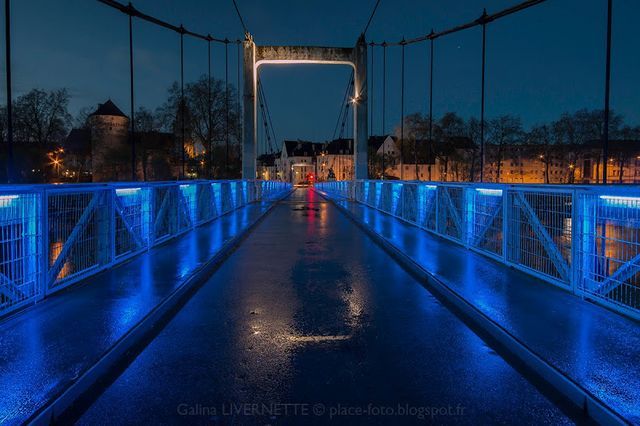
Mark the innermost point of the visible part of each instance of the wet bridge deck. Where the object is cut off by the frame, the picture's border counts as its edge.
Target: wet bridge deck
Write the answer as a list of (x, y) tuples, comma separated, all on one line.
[(307, 317)]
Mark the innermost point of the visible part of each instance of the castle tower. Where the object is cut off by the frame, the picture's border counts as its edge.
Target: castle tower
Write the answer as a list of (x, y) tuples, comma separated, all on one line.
[(110, 151)]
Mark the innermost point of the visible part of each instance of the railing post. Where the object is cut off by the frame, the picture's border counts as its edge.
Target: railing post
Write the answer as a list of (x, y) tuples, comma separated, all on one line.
[(513, 220), (106, 223), (583, 244), (111, 208), (437, 208), (468, 215), (505, 223), (44, 248), (576, 241), (152, 214), (147, 216)]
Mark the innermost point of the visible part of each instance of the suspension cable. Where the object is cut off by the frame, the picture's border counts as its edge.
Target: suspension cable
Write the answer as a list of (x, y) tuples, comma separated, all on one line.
[(430, 152), (415, 143), (132, 99), (226, 108), (209, 112), (344, 121), (263, 115), (482, 96), (371, 92), (268, 115), (384, 87), (346, 109), (402, 114), (132, 11), (7, 28), (384, 103), (265, 123), (342, 105), (373, 12), (484, 19), (607, 95), (182, 103), (244, 27), (238, 87)]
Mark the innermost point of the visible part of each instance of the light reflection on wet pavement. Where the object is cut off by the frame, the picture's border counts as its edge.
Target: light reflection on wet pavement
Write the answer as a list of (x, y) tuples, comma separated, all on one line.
[(311, 321)]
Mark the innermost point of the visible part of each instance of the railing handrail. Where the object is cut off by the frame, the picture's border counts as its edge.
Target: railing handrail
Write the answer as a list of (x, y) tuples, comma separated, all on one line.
[(56, 234), (583, 238), (24, 187), (624, 187)]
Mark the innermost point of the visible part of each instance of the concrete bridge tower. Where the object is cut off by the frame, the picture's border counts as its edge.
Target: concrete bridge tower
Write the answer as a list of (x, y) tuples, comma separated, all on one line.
[(256, 56)]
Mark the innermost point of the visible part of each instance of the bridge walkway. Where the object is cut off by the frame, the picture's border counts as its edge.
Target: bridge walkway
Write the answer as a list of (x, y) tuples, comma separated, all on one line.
[(310, 312), (596, 348), (46, 347)]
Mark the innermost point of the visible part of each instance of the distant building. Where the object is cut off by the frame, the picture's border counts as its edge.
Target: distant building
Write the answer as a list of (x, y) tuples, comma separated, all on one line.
[(457, 159), (336, 160), (297, 160), (101, 151), (267, 169), (531, 163), (109, 128)]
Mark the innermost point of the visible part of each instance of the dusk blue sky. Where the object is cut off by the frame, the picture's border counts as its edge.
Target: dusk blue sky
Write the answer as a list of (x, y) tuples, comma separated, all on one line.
[(540, 63)]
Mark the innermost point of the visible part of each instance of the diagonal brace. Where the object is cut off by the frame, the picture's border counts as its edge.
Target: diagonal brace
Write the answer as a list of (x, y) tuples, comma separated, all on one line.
[(125, 221), (543, 235), (9, 289), (453, 211), (480, 236), (77, 231), (623, 273)]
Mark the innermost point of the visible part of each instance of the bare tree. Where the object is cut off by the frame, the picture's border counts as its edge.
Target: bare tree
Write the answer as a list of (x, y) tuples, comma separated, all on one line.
[(449, 127), (211, 134), (81, 120), (473, 132), (42, 117), (503, 131), (542, 135), (146, 130)]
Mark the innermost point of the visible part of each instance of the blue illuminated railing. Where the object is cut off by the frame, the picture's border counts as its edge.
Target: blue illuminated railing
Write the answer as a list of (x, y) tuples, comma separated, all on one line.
[(54, 235), (583, 238)]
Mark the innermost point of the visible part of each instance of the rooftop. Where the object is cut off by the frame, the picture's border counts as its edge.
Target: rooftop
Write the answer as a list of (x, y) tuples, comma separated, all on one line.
[(108, 108)]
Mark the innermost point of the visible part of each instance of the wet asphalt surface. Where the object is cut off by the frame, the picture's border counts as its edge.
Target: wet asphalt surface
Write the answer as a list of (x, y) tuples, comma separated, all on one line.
[(593, 346), (46, 347), (310, 322)]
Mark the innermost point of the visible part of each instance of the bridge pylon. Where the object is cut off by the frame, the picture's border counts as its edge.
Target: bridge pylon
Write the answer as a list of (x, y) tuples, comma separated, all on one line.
[(256, 56)]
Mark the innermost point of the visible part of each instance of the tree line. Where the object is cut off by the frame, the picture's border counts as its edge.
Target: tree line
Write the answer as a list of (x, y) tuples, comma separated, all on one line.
[(42, 121), (455, 141)]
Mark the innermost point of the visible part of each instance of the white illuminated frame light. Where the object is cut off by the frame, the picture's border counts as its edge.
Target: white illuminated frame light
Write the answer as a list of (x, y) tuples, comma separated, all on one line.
[(621, 200), (258, 64), (7, 200), (127, 191), (490, 192)]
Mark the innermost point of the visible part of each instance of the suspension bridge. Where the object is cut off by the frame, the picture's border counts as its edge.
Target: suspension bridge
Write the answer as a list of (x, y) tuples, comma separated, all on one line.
[(231, 301)]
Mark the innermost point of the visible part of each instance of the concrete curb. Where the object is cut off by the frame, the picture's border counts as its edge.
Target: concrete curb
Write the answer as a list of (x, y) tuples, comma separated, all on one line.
[(85, 388), (577, 395)]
